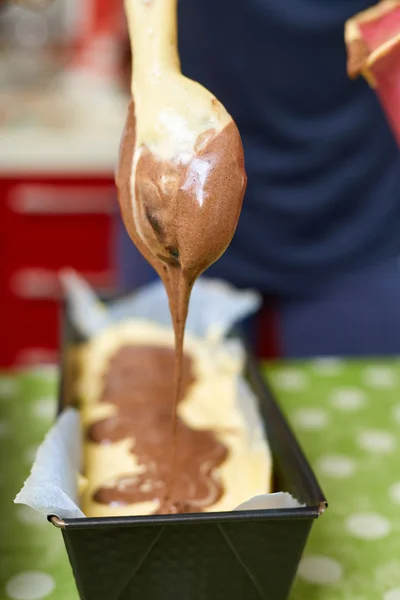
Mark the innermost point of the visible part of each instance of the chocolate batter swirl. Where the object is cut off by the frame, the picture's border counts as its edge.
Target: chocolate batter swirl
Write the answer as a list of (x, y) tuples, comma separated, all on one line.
[(139, 383)]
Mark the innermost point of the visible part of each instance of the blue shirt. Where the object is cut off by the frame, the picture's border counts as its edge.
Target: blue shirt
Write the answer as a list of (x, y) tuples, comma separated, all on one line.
[(323, 169)]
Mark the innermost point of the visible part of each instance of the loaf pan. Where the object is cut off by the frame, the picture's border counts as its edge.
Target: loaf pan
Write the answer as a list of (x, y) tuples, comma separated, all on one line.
[(243, 555)]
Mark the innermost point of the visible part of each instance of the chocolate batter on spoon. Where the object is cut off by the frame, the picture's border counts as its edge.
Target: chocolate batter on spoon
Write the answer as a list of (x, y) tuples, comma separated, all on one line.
[(181, 177)]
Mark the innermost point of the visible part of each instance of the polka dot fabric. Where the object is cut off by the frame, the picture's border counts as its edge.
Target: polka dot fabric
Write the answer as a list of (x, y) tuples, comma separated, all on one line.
[(33, 561), (346, 416)]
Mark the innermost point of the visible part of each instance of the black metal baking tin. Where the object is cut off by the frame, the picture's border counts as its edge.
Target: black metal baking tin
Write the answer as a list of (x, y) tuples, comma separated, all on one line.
[(247, 555)]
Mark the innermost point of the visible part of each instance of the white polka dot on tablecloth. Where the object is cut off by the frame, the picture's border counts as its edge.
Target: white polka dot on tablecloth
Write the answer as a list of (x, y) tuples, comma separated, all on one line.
[(8, 388), (30, 585), (336, 466), (320, 569), (28, 516), (347, 399), (394, 492), (377, 441), (393, 594), (368, 526), (396, 413), (290, 379), (310, 418), (45, 408), (329, 366), (381, 377)]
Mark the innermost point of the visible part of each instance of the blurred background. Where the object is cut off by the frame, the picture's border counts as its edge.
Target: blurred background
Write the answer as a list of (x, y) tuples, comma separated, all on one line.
[(57, 160), (324, 236)]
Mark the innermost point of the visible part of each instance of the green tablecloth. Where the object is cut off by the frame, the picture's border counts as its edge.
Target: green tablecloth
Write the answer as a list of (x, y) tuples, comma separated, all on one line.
[(347, 417)]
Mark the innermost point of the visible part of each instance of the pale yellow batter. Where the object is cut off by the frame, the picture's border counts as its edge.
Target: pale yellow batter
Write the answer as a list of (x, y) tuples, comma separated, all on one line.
[(211, 403)]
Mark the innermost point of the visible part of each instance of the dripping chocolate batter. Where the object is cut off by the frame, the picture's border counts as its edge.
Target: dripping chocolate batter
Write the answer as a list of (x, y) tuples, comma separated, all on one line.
[(181, 177)]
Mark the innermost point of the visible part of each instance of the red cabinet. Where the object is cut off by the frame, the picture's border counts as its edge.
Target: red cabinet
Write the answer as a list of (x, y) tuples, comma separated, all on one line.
[(47, 224)]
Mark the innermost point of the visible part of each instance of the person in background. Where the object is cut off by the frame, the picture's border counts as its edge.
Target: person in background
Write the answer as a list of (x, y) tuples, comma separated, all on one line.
[(319, 233)]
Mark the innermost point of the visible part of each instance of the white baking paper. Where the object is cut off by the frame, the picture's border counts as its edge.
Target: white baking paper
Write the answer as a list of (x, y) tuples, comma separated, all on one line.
[(215, 307), (52, 487), (278, 500)]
